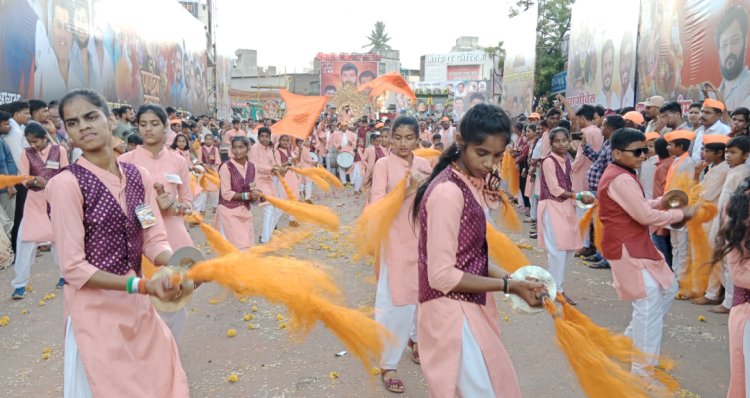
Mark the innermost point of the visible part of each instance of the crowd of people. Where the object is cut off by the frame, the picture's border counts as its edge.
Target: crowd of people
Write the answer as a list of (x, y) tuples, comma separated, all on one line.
[(108, 185)]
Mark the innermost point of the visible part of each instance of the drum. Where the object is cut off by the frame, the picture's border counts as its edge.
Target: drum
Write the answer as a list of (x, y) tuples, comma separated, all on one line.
[(314, 157), (345, 160)]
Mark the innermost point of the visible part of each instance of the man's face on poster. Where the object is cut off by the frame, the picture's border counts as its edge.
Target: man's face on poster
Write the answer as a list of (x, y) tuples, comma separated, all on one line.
[(81, 25), (61, 36), (732, 51), (460, 88), (439, 107), (626, 64), (608, 59), (349, 76), (458, 106)]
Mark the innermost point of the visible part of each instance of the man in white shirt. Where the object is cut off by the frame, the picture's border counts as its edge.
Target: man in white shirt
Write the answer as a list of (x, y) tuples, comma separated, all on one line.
[(16, 141), (710, 124)]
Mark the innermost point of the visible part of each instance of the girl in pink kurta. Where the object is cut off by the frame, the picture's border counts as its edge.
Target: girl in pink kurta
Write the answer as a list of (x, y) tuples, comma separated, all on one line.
[(459, 338), (305, 161), (211, 160), (115, 343), (557, 208), (233, 217), (171, 183), (181, 146), (285, 157), (41, 161), (396, 297), (357, 170)]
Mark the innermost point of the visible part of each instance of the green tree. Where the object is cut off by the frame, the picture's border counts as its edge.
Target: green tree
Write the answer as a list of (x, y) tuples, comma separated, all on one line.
[(553, 22), (498, 53), (378, 39)]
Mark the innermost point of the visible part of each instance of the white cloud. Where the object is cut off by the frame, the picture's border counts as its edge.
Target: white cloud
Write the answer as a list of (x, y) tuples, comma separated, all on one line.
[(288, 34)]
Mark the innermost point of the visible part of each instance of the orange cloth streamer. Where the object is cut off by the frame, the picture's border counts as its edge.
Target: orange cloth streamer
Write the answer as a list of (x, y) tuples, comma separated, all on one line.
[(315, 177), (213, 179), (306, 293), (147, 267), (598, 375), (307, 213), (10, 180), (195, 186), (426, 153), (504, 252), (287, 189), (213, 173), (616, 346), (371, 228), (392, 81), (332, 179), (197, 146), (282, 240), (509, 173), (221, 245), (507, 215), (585, 222)]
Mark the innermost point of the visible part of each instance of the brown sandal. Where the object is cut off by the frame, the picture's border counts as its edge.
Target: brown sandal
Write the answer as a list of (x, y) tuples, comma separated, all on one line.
[(568, 299), (391, 384), (414, 347)]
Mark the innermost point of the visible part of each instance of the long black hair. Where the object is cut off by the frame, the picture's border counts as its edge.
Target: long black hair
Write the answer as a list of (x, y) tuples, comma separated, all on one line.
[(479, 122), (733, 233)]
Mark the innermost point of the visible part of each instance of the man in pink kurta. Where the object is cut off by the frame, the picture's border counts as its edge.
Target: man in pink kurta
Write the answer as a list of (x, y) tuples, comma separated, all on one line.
[(139, 356), (172, 172), (226, 138), (261, 155)]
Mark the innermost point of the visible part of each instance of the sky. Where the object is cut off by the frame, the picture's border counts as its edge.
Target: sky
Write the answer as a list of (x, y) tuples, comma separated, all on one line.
[(288, 33)]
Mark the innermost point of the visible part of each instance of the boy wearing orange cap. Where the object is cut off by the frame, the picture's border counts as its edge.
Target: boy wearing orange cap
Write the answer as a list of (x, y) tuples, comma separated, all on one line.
[(710, 124), (678, 144)]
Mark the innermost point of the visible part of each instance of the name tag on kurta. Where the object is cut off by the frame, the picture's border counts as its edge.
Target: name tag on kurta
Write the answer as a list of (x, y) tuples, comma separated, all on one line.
[(145, 216), (51, 164), (174, 179)]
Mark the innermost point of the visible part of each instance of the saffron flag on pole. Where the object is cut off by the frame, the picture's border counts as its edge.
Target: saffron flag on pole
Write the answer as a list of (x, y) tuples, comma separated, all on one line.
[(302, 112), (389, 82)]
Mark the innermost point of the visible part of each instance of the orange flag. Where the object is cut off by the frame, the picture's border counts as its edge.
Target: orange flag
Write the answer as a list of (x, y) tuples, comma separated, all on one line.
[(389, 82), (302, 112)]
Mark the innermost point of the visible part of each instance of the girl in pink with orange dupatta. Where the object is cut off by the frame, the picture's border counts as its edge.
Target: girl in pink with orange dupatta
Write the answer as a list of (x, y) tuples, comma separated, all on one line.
[(733, 246), (459, 337), (104, 219)]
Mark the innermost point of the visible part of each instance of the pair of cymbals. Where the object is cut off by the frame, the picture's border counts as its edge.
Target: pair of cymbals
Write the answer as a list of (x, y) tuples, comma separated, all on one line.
[(179, 263)]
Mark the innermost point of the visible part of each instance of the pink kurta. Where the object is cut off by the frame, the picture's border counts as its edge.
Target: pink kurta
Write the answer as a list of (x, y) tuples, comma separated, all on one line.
[(561, 214), (185, 154), (38, 227), (263, 159), (235, 224), (212, 161), (626, 271), (290, 177), (169, 138), (226, 139), (448, 136), (582, 164), (167, 163), (739, 271), (441, 319), (124, 345), (400, 249), (360, 163)]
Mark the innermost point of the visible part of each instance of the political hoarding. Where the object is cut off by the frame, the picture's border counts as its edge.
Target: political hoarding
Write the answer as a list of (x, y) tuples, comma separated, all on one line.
[(337, 70), (601, 57), (52, 46), (520, 59), (684, 44)]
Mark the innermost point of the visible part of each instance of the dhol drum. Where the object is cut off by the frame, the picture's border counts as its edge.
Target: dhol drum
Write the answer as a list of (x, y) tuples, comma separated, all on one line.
[(345, 160)]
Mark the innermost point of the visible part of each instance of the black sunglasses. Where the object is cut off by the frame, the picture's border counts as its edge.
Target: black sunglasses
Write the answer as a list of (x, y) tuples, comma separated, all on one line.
[(637, 152)]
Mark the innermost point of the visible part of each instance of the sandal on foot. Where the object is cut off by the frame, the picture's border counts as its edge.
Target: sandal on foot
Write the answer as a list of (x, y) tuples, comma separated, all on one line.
[(414, 347), (568, 299), (719, 309), (391, 384)]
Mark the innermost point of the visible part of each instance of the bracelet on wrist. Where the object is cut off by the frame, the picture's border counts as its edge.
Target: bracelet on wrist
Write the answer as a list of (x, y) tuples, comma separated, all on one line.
[(142, 286), (129, 285), (506, 284)]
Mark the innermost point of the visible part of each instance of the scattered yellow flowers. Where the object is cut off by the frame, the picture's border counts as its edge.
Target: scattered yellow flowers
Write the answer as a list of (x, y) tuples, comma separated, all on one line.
[(24, 311), (231, 333), (213, 302), (42, 303), (49, 296), (248, 317), (279, 317), (254, 309), (4, 320), (46, 353), (250, 326), (243, 299), (701, 318), (333, 375), (233, 378), (282, 325), (375, 371)]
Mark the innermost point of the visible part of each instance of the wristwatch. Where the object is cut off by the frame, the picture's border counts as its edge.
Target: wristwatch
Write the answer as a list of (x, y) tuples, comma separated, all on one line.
[(506, 285)]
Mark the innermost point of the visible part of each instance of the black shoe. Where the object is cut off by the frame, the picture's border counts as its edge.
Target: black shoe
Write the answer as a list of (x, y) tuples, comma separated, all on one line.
[(604, 264), (533, 235)]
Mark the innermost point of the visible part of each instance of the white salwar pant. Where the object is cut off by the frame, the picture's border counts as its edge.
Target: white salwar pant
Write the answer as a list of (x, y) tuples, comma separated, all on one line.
[(176, 322), (357, 178), (720, 277), (25, 257), (271, 216), (556, 259), (587, 233), (400, 320), (473, 376), (199, 202), (679, 239), (342, 174), (75, 381), (534, 200), (647, 325), (306, 189)]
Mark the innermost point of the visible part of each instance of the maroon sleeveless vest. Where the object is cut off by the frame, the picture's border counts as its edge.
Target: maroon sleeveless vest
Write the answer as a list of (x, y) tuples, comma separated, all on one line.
[(621, 229), (113, 240), (563, 178), (38, 167), (208, 155), (239, 184), (472, 241), (741, 296)]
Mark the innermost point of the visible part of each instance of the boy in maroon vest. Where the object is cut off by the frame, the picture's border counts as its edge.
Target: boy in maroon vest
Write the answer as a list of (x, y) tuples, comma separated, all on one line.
[(639, 271)]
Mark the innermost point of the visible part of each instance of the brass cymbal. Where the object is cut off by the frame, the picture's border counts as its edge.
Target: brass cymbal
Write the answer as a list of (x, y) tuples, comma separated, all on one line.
[(179, 263), (674, 199)]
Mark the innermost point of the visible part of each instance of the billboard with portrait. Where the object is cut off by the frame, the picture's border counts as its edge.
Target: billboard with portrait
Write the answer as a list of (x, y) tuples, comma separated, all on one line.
[(684, 44), (520, 59), (601, 54), (337, 70), (52, 46)]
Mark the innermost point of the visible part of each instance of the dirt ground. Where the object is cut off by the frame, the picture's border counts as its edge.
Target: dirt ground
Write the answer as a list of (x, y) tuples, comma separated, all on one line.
[(269, 364)]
